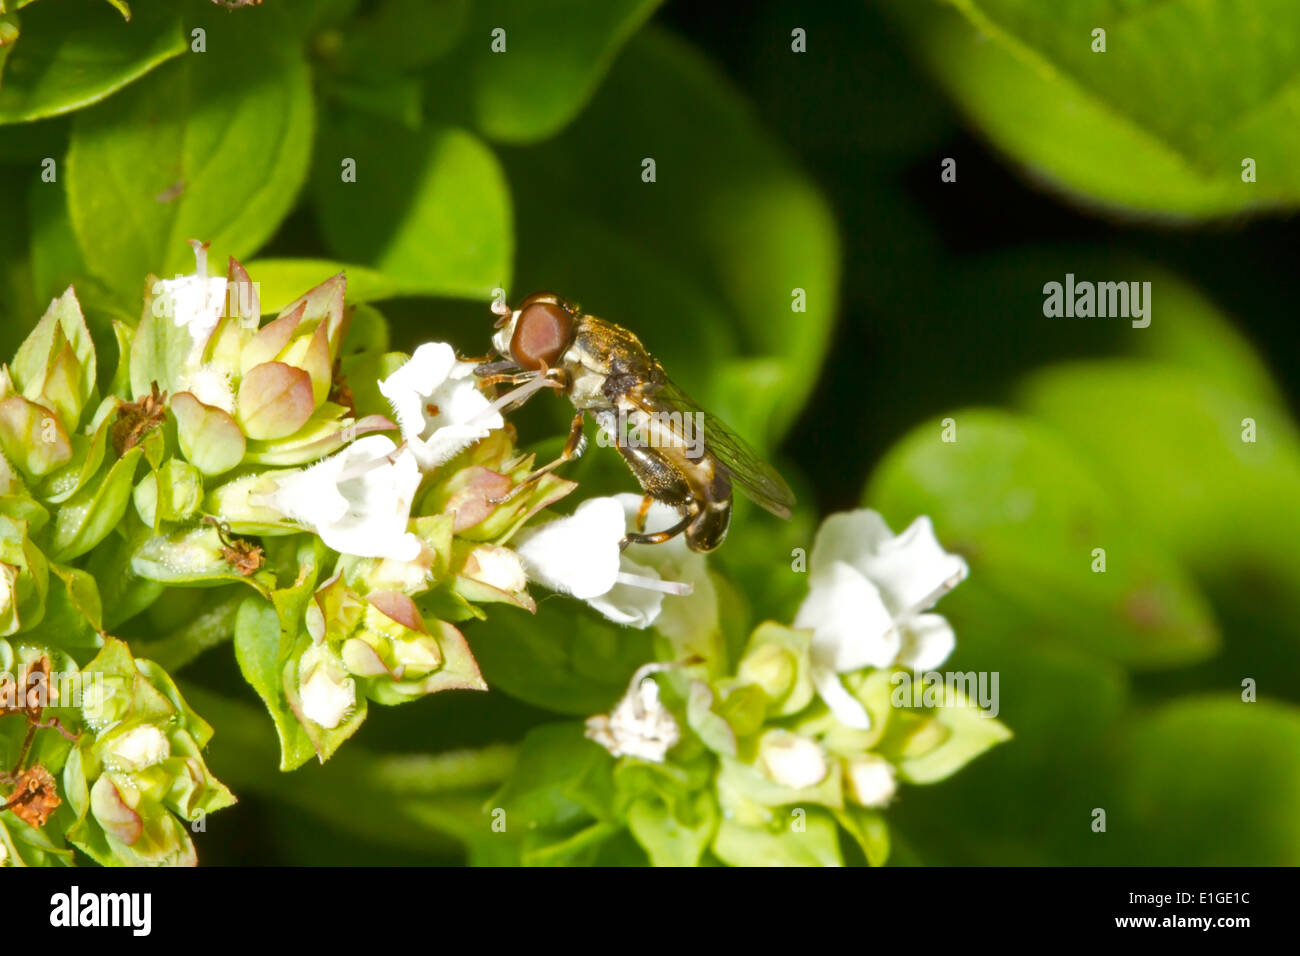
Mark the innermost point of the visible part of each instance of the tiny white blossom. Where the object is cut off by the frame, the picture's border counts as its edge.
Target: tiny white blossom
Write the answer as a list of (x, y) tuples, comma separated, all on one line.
[(196, 302), (438, 405), (639, 725), (870, 780), (139, 748), (792, 760), (579, 555), (327, 693), (868, 589), (358, 500), (211, 386), (497, 567)]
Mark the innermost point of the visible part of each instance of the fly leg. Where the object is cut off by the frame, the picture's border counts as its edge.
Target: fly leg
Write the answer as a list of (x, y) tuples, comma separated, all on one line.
[(643, 512), (573, 448), (659, 537)]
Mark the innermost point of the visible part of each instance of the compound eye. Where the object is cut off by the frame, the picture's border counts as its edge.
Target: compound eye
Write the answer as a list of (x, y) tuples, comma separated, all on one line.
[(542, 334)]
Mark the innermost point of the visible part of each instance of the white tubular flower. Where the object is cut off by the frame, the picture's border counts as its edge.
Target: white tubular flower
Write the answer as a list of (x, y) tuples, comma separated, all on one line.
[(579, 555), (196, 303), (868, 590), (324, 687), (358, 500), (870, 780), (438, 405), (639, 725), (792, 760), (139, 748), (683, 618)]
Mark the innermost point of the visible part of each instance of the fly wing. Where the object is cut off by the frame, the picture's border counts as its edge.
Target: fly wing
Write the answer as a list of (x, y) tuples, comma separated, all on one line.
[(757, 479)]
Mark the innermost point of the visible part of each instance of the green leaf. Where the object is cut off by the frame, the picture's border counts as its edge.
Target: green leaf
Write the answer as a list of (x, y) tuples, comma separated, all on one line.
[(1172, 448), (1209, 758), (667, 840), (429, 209), (869, 829), (62, 324), (87, 517), (261, 660), (565, 658), (192, 556), (1184, 92), (68, 60), (702, 263), (555, 56), (204, 148), (805, 838), (1028, 514), (395, 36), (559, 779), (282, 281), (966, 733)]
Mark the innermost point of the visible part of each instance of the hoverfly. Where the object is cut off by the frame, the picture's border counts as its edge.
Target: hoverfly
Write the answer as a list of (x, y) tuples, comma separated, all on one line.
[(606, 372)]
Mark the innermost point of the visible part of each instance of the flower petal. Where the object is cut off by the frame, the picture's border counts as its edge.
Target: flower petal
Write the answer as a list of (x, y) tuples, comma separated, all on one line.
[(928, 639), (912, 571), (847, 536), (851, 626), (578, 554), (406, 388), (365, 514), (846, 708), (627, 604)]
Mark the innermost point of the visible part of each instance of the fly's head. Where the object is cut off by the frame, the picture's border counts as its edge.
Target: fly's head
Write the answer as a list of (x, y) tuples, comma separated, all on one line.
[(538, 333)]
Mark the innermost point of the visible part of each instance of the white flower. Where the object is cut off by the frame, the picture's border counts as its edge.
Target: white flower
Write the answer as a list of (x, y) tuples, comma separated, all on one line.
[(196, 303), (579, 555), (868, 590), (792, 760), (684, 618), (870, 780), (211, 386), (438, 405), (140, 747), (639, 725), (358, 500), (496, 567), (327, 693)]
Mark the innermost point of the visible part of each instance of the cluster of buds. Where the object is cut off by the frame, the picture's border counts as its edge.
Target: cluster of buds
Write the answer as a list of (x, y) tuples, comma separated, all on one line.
[(356, 504), (759, 763)]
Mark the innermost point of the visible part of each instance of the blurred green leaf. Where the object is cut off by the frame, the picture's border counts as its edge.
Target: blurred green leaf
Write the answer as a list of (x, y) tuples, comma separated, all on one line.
[(203, 148), (1025, 510), (1159, 123), (394, 36), (702, 263), (554, 57), (807, 837), (1210, 779), (77, 52), (560, 778), (429, 209), (565, 658), (1171, 448), (282, 281)]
